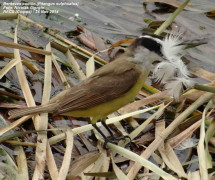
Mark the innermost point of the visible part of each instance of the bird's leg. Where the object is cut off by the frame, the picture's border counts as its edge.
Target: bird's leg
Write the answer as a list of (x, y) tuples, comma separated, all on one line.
[(106, 140), (107, 128), (113, 138), (99, 130)]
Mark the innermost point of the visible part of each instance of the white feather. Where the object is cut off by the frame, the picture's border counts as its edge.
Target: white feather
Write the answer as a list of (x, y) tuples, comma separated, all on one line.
[(163, 72), (170, 47), (172, 71), (176, 85)]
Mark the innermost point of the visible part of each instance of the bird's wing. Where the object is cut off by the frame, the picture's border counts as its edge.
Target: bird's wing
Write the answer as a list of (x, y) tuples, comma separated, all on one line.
[(105, 85)]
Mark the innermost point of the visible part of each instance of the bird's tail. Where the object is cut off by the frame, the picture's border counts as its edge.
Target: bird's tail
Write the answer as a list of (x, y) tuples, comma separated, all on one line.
[(49, 108)]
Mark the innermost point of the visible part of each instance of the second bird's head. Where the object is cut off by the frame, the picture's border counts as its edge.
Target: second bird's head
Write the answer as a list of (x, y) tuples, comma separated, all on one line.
[(171, 71), (149, 48)]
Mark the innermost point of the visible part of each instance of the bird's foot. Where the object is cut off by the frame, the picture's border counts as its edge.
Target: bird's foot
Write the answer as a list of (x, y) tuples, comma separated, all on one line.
[(123, 138), (115, 140)]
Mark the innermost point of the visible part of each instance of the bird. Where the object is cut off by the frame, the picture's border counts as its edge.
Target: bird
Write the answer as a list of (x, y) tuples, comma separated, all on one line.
[(110, 87)]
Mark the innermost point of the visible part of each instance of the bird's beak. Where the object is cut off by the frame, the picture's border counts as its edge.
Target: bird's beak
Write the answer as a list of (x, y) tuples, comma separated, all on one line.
[(193, 43)]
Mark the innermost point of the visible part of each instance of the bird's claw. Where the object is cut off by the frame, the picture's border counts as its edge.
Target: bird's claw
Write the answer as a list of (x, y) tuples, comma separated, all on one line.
[(115, 140)]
